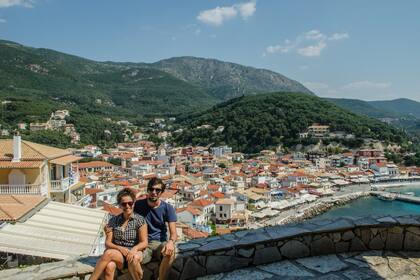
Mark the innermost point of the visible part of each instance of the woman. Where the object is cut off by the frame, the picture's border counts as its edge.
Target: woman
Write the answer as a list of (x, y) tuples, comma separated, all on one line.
[(126, 238)]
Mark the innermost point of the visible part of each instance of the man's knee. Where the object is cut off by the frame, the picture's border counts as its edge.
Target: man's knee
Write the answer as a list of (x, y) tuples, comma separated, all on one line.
[(138, 258)]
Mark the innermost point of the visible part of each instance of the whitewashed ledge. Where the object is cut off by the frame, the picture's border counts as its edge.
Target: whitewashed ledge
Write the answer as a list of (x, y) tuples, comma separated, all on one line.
[(250, 248)]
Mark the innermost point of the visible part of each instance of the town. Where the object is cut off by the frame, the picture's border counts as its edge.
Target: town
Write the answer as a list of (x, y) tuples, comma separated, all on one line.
[(215, 191)]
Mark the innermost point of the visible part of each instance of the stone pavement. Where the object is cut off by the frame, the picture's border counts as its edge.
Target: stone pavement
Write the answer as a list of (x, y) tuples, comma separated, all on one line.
[(353, 266)]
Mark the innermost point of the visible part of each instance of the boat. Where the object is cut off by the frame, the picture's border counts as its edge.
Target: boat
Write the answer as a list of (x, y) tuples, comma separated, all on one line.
[(410, 193), (387, 196)]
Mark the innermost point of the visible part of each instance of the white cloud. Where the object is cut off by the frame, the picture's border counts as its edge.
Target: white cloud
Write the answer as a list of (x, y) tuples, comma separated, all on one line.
[(218, 15), (11, 3), (313, 50), (288, 46), (2, 20), (309, 44), (338, 36), (247, 9), (365, 85)]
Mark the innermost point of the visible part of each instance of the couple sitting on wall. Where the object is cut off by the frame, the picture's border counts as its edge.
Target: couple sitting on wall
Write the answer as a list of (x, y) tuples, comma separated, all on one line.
[(138, 234)]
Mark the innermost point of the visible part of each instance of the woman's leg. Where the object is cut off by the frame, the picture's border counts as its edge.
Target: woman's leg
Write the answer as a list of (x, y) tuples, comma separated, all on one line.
[(136, 272), (109, 271), (110, 255)]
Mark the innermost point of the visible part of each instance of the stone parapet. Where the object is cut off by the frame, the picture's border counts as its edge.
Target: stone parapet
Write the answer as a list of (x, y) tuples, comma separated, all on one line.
[(265, 245)]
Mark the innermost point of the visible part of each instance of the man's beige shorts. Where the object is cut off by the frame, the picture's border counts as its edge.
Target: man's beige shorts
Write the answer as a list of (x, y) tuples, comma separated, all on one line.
[(153, 251)]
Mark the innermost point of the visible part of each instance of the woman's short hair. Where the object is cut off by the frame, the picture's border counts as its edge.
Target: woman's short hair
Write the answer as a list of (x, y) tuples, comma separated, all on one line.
[(125, 192), (156, 181)]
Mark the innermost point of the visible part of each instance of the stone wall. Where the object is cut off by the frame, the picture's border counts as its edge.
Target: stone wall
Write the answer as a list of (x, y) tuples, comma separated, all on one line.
[(253, 247)]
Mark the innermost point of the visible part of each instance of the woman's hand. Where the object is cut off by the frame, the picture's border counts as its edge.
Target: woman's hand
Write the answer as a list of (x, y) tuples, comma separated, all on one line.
[(131, 254), (124, 251)]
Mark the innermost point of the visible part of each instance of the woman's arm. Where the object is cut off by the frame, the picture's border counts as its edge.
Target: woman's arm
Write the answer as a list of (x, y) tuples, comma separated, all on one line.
[(142, 239), (110, 245)]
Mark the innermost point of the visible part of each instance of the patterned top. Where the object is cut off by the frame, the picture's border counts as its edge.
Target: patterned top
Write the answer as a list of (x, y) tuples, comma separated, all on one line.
[(128, 237)]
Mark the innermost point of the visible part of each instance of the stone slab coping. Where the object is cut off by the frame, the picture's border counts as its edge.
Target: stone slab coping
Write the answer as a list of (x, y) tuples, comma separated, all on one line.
[(82, 266)]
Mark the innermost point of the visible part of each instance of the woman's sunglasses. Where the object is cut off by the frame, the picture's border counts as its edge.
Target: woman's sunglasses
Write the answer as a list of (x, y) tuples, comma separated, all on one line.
[(125, 204)]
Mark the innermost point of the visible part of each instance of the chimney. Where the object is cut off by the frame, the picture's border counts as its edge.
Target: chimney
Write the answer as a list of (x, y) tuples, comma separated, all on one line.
[(17, 148)]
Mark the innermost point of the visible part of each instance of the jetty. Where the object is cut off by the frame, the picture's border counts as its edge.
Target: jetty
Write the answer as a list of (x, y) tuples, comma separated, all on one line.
[(398, 196)]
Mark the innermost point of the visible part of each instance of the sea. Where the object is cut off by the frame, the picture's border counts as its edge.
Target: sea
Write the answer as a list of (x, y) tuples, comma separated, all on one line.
[(368, 206)]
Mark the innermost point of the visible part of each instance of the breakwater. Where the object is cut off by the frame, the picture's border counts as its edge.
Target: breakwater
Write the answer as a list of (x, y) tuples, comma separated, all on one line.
[(323, 206)]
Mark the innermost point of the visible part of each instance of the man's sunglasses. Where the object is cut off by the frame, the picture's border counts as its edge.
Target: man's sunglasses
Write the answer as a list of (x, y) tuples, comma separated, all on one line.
[(124, 204), (154, 189)]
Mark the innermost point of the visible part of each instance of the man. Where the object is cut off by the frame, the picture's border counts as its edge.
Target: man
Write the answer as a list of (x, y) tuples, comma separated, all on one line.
[(157, 213)]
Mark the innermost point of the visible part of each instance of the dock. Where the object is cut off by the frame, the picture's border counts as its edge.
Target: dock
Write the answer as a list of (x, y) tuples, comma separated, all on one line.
[(398, 196)]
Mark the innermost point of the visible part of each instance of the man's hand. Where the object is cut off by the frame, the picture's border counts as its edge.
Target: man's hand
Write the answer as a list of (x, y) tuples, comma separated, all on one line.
[(168, 249)]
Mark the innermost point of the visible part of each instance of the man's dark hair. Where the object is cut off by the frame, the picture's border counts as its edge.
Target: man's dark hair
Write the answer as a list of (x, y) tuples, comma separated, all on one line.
[(156, 181), (126, 192)]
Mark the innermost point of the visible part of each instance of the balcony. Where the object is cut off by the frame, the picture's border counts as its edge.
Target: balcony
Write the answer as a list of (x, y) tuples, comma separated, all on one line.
[(64, 184), (32, 189)]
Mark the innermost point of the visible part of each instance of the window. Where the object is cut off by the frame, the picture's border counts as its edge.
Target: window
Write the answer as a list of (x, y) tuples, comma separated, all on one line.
[(224, 215), (221, 208), (221, 215)]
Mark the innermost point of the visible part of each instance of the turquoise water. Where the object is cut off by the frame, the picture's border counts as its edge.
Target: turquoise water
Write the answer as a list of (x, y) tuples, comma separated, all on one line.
[(367, 206)]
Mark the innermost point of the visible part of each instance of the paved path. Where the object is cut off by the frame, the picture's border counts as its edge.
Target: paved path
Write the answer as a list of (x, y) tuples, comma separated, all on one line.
[(350, 266)]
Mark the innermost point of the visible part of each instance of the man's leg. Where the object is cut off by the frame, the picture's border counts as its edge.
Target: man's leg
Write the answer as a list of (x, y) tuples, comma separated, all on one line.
[(166, 262), (165, 266)]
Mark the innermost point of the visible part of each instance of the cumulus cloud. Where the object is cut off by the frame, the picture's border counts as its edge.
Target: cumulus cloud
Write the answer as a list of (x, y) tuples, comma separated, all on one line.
[(312, 50), (310, 43), (246, 9), (218, 15), (11, 3), (338, 36)]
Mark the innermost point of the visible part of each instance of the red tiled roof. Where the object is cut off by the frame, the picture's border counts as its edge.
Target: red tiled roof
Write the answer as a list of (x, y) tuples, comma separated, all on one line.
[(13, 207), (94, 164), (111, 209), (218, 195), (201, 203), (192, 210), (92, 191), (193, 234)]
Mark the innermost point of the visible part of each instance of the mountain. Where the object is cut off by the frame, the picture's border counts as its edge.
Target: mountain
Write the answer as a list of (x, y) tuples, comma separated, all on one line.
[(254, 123), (401, 113), (119, 88), (225, 80), (363, 108), (402, 106)]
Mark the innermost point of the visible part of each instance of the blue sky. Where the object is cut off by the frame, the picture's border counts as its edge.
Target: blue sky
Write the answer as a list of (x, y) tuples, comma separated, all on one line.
[(355, 49)]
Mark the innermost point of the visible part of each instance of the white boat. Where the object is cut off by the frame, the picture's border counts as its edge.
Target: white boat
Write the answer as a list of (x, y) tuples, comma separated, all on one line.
[(410, 193), (387, 196)]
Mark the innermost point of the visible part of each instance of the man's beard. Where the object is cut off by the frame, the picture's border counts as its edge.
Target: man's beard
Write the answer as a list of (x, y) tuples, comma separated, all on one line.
[(153, 199)]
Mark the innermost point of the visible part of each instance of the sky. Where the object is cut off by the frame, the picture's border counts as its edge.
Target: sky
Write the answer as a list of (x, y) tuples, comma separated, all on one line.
[(367, 50)]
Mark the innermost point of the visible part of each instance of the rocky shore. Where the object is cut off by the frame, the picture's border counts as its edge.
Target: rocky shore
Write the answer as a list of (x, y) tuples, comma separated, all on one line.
[(323, 206)]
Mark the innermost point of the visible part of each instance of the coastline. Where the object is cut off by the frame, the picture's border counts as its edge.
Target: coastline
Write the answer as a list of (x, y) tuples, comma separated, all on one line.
[(320, 207)]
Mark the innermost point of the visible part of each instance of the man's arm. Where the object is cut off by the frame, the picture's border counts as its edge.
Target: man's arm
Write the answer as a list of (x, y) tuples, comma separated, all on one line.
[(169, 249)]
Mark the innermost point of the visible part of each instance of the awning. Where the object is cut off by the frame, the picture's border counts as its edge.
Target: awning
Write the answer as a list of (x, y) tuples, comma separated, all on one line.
[(65, 160), (77, 186)]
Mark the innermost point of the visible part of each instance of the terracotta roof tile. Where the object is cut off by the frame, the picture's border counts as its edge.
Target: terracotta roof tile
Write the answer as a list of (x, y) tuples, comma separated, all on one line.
[(13, 207)]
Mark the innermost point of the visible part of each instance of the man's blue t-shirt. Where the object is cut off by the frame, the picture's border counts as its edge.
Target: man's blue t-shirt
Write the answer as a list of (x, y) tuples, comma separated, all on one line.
[(156, 218)]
